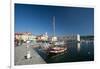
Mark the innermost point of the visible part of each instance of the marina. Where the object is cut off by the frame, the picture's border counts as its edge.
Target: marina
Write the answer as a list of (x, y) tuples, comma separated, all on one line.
[(44, 49), (53, 34), (75, 52)]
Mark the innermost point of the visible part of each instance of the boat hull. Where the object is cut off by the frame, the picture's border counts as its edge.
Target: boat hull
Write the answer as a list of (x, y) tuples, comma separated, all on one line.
[(56, 50)]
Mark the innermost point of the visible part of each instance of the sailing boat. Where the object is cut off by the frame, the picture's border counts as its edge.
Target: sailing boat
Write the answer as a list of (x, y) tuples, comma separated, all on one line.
[(54, 48)]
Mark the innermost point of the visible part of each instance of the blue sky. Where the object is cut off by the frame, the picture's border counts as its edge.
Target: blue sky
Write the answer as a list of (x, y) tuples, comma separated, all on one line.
[(68, 20)]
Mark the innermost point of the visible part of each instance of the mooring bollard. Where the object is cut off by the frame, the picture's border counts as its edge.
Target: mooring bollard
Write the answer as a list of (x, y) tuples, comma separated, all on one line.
[(28, 54)]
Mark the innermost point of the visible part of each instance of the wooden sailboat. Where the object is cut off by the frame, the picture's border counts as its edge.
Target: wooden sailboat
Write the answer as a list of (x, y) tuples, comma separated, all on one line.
[(55, 49)]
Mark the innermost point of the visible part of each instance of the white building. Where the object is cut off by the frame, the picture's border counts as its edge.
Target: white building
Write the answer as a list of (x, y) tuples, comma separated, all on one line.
[(43, 37), (54, 39)]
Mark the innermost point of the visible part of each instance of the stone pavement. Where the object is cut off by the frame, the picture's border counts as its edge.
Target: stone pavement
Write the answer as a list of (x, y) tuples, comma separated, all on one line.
[(20, 53)]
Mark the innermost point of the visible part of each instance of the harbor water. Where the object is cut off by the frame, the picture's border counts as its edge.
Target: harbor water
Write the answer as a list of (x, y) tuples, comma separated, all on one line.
[(76, 52)]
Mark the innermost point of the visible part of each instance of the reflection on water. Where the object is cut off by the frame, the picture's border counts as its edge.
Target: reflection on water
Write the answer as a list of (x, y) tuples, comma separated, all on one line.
[(75, 52), (78, 47)]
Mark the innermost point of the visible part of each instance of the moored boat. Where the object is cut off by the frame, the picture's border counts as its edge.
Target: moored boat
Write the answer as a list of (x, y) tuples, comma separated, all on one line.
[(56, 50), (56, 46)]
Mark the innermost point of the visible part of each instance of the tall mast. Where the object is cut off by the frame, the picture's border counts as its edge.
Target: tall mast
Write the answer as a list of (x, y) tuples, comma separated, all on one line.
[(53, 26)]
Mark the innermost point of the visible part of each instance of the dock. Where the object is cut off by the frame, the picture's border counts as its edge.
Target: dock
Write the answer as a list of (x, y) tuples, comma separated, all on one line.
[(20, 53)]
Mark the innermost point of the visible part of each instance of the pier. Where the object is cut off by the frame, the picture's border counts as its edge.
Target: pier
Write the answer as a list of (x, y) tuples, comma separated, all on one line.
[(20, 53)]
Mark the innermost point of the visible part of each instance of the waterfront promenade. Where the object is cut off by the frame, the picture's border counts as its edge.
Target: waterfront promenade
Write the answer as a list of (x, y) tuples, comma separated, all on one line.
[(20, 53)]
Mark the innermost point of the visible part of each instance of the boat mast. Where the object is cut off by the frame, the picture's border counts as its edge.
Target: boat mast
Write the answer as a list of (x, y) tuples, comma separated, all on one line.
[(54, 38), (53, 26)]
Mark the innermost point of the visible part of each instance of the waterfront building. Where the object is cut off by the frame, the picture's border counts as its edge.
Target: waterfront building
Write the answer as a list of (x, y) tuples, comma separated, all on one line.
[(43, 37), (24, 36), (54, 38)]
